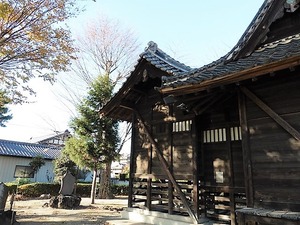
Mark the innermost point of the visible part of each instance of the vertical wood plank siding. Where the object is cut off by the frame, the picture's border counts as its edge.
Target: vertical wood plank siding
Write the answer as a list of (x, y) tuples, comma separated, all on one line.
[(275, 152)]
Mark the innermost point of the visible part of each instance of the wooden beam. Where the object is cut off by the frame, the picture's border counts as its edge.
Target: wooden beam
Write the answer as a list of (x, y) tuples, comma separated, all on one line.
[(285, 125), (247, 163), (167, 170)]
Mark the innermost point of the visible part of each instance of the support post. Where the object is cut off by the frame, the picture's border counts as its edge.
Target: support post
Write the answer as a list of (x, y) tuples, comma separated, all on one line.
[(130, 191), (246, 150)]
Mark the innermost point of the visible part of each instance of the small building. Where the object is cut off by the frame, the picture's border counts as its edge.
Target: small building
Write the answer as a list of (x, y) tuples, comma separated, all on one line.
[(16, 156), (219, 143), (58, 139)]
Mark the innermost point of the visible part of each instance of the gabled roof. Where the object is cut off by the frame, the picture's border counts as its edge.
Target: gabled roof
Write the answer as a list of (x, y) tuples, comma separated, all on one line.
[(57, 135), (57, 139), (152, 57), (253, 51), (28, 150), (162, 61), (263, 48)]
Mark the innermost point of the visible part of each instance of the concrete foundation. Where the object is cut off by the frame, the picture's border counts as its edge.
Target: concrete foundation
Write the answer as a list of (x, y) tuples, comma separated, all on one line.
[(134, 216)]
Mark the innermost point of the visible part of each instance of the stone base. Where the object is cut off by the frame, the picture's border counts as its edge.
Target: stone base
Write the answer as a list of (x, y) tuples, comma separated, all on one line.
[(65, 201)]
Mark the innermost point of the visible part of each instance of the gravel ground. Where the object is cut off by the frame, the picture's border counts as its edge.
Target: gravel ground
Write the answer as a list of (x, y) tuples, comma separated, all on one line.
[(34, 212)]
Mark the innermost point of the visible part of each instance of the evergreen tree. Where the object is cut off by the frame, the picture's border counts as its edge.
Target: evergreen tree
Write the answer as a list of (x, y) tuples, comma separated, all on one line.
[(95, 142), (36, 163), (4, 116), (63, 164)]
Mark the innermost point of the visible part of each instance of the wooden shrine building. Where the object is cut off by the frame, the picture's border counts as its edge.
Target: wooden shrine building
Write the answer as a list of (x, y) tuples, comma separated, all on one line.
[(220, 142)]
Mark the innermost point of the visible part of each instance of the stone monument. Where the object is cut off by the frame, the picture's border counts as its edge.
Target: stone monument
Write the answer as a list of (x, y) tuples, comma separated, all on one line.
[(67, 184), (66, 199)]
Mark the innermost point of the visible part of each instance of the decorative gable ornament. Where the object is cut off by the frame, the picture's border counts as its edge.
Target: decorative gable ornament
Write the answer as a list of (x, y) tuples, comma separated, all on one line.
[(292, 5)]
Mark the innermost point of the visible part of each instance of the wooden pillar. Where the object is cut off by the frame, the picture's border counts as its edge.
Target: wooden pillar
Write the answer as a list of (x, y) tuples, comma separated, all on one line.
[(132, 150), (149, 180), (195, 138), (246, 150), (170, 185), (241, 218), (202, 175), (231, 176), (149, 171)]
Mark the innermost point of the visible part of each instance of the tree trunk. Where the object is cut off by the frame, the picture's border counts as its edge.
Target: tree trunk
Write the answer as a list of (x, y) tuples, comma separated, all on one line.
[(105, 183), (93, 191)]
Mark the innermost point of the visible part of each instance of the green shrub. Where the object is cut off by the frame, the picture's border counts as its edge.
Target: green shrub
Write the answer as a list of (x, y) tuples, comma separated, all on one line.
[(12, 187), (82, 189), (37, 189), (21, 181)]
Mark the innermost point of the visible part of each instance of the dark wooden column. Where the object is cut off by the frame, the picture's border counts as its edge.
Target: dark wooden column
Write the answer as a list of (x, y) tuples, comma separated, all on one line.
[(131, 176), (196, 164), (170, 185), (231, 176), (246, 150)]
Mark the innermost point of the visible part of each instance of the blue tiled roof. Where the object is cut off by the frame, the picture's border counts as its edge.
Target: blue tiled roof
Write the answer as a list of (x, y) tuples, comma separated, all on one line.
[(23, 149)]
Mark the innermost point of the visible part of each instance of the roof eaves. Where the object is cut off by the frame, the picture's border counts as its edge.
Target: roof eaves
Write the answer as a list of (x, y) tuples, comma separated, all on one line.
[(269, 53), (24, 149), (163, 61)]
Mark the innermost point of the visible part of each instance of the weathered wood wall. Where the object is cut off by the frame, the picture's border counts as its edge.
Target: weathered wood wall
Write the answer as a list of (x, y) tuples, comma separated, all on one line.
[(173, 134), (275, 154)]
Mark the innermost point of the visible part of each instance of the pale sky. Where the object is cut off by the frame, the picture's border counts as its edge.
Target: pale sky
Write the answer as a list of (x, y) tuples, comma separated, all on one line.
[(194, 32)]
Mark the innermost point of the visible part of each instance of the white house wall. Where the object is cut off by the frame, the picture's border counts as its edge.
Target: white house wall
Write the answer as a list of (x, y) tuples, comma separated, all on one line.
[(8, 165)]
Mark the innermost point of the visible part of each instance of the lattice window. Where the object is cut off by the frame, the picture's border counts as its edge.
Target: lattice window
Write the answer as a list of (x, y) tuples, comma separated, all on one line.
[(219, 135), (235, 133), (215, 135), (182, 126)]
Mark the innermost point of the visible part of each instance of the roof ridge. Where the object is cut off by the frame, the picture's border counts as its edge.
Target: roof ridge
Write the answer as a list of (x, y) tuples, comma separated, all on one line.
[(273, 44), (153, 48)]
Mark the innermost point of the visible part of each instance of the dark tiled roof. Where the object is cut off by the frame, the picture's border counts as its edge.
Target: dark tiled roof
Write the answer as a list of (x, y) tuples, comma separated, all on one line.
[(162, 61), (157, 58), (269, 53), (252, 28), (238, 58), (23, 149)]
